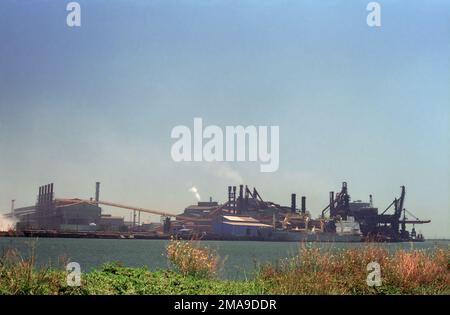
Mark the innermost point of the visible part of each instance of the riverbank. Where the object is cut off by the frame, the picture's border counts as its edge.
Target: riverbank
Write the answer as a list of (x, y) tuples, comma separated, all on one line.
[(193, 271)]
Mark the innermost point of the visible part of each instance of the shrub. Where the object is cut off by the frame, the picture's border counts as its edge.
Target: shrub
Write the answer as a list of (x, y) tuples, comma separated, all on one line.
[(19, 276), (191, 259), (344, 272)]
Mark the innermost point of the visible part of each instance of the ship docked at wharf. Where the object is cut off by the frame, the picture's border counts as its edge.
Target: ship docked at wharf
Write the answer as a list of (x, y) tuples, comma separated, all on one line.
[(244, 216)]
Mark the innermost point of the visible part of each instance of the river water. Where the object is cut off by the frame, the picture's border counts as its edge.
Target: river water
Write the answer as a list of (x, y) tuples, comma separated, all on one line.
[(240, 258)]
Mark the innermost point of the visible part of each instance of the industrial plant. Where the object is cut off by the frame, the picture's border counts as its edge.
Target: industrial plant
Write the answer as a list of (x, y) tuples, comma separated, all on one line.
[(245, 215)]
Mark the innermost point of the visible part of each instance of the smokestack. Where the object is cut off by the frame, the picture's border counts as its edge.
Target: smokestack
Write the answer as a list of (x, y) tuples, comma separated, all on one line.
[(48, 193), (293, 203), (229, 194), (234, 199), (97, 191), (246, 198), (50, 197), (40, 195), (331, 203), (241, 198), (303, 204), (45, 193), (12, 206)]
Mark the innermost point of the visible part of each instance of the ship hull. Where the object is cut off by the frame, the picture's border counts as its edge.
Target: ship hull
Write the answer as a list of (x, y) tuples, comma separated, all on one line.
[(287, 236)]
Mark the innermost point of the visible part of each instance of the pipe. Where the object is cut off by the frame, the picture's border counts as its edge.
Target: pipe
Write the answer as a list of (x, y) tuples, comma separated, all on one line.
[(303, 204)]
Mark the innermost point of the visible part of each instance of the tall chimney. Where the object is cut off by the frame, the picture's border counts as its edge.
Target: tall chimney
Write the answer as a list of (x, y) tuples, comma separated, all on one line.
[(234, 199), (50, 191), (241, 198), (229, 194), (303, 204), (332, 203), (12, 206), (46, 194), (50, 197), (97, 191), (40, 195), (246, 198), (293, 203)]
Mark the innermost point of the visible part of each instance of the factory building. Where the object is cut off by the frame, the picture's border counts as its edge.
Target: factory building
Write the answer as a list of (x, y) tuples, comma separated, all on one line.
[(240, 226), (111, 223), (67, 215), (202, 208), (79, 217), (78, 214)]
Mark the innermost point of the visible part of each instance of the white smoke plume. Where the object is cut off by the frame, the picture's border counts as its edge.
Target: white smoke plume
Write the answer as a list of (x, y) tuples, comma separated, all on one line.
[(7, 224), (226, 172), (194, 190)]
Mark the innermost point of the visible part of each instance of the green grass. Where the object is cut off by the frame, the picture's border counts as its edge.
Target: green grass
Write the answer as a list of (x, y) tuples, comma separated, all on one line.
[(112, 279)]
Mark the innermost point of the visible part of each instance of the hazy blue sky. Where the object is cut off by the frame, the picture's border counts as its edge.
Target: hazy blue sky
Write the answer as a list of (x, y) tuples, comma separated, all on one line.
[(370, 106)]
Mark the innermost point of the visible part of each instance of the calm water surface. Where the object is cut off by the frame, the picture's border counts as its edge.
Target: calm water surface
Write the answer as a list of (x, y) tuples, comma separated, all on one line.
[(240, 257)]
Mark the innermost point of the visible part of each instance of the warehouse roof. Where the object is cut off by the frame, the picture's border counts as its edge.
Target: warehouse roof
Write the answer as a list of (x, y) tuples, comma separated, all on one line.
[(240, 218), (253, 224)]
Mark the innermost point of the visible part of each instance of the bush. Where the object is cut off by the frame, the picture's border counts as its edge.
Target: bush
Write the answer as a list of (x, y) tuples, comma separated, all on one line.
[(344, 272), (18, 276), (190, 259)]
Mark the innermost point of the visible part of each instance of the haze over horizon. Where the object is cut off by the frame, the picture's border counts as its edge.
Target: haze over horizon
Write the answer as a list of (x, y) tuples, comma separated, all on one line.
[(370, 106)]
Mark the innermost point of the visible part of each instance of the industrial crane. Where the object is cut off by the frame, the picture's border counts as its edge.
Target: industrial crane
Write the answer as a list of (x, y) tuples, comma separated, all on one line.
[(393, 226)]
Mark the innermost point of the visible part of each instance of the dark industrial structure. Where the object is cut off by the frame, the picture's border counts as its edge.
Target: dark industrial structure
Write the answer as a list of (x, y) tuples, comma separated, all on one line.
[(245, 215), (67, 215), (341, 220), (375, 226)]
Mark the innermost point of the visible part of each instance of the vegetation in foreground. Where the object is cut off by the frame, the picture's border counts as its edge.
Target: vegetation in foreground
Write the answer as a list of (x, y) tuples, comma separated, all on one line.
[(194, 271)]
